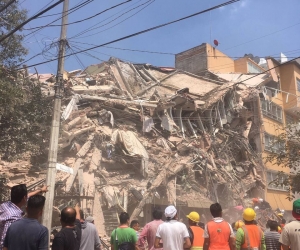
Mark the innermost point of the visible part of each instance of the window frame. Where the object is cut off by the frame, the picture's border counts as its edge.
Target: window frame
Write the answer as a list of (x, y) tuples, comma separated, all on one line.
[(270, 146), (273, 174), (298, 84), (254, 68), (272, 110)]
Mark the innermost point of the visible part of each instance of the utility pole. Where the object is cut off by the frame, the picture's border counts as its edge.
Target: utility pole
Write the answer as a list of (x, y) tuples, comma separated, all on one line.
[(52, 155)]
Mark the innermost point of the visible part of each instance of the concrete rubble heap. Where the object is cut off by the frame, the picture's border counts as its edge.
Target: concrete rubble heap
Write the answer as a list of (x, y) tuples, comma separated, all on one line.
[(136, 136)]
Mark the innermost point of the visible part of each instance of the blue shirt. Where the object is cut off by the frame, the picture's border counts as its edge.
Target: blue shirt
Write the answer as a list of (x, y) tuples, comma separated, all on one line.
[(26, 234)]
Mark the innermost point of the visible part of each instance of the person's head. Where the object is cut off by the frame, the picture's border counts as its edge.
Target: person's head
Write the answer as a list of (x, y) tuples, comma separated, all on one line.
[(249, 216), (216, 210), (171, 213), (296, 209), (283, 221), (273, 225), (90, 219), (194, 218), (67, 216), (124, 218), (268, 224), (18, 195), (35, 206), (157, 214), (135, 225)]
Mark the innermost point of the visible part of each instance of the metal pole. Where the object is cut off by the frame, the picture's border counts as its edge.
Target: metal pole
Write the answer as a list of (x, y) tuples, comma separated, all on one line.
[(52, 156)]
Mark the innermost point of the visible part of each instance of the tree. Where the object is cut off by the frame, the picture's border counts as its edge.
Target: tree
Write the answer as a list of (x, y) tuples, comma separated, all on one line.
[(25, 118), (287, 157), (11, 49), (25, 114)]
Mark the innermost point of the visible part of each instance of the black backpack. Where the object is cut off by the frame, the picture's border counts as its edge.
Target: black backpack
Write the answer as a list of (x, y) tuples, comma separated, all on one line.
[(124, 245)]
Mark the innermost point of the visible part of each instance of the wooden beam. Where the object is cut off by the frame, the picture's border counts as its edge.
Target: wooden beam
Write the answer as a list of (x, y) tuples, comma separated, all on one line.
[(75, 169)]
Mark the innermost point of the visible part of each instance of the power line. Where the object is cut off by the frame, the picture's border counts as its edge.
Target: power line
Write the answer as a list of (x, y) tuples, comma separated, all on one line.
[(85, 19), (173, 54), (7, 5), (277, 66), (30, 19), (148, 3), (79, 6), (147, 30), (263, 36), (62, 12), (86, 30)]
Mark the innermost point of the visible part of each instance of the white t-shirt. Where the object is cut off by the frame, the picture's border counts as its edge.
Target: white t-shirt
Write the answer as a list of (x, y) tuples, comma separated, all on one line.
[(172, 234), (290, 235)]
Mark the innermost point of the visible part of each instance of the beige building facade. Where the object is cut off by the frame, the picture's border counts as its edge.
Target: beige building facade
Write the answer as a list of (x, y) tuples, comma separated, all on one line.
[(279, 102)]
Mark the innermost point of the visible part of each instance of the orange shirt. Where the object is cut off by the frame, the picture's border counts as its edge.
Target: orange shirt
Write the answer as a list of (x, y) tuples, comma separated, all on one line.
[(198, 236), (219, 235)]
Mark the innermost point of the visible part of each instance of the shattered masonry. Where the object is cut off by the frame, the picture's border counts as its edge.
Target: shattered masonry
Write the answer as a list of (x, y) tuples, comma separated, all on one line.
[(136, 136)]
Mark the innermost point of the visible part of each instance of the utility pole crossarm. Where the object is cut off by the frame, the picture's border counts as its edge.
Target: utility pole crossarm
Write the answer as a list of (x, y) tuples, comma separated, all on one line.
[(54, 135)]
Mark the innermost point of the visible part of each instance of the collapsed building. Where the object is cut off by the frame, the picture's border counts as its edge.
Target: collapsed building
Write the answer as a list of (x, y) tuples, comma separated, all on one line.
[(135, 136)]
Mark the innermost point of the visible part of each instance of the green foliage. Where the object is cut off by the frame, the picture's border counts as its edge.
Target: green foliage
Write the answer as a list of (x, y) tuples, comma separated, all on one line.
[(11, 49), (288, 157), (25, 119)]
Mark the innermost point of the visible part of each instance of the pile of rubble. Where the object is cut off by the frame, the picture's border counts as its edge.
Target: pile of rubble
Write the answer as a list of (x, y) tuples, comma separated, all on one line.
[(136, 136), (146, 135)]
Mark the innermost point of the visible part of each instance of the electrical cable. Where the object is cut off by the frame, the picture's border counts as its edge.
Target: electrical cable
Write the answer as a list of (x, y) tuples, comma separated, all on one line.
[(7, 5), (148, 3), (148, 30), (173, 54), (62, 12), (263, 36), (30, 19), (86, 30), (85, 19), (79, 6)]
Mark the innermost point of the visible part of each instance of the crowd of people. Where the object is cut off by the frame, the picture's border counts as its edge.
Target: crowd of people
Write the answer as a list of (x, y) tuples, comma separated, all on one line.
[(78, 233)]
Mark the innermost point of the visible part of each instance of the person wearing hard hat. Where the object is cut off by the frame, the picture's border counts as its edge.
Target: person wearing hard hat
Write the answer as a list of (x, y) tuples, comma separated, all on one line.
[(250, 236), (196, 232)]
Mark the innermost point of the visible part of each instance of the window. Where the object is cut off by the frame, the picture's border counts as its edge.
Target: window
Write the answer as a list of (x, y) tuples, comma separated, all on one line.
[(298, 84), (252, 68), (289, 119), (272, 144), (276, 181), (271, 110)]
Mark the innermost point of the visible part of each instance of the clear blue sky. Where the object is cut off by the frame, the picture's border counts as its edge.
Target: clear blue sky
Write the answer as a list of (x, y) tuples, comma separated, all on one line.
[(275, 22)]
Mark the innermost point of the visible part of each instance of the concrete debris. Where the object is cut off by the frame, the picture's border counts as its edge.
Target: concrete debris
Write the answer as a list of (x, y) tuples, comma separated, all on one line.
[(149, 135)]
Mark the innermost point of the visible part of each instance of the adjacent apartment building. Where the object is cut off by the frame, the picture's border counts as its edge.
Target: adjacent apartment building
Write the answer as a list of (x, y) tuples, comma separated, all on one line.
[(279, 102)]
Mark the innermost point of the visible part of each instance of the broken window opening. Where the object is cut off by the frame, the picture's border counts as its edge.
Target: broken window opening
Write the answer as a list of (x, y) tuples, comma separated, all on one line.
[(271, 110), (272, 144)]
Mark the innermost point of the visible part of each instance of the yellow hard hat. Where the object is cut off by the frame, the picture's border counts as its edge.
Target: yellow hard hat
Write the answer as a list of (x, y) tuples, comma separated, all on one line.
[(280, 214), (194, 216), (249, 214), (238, 224)]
